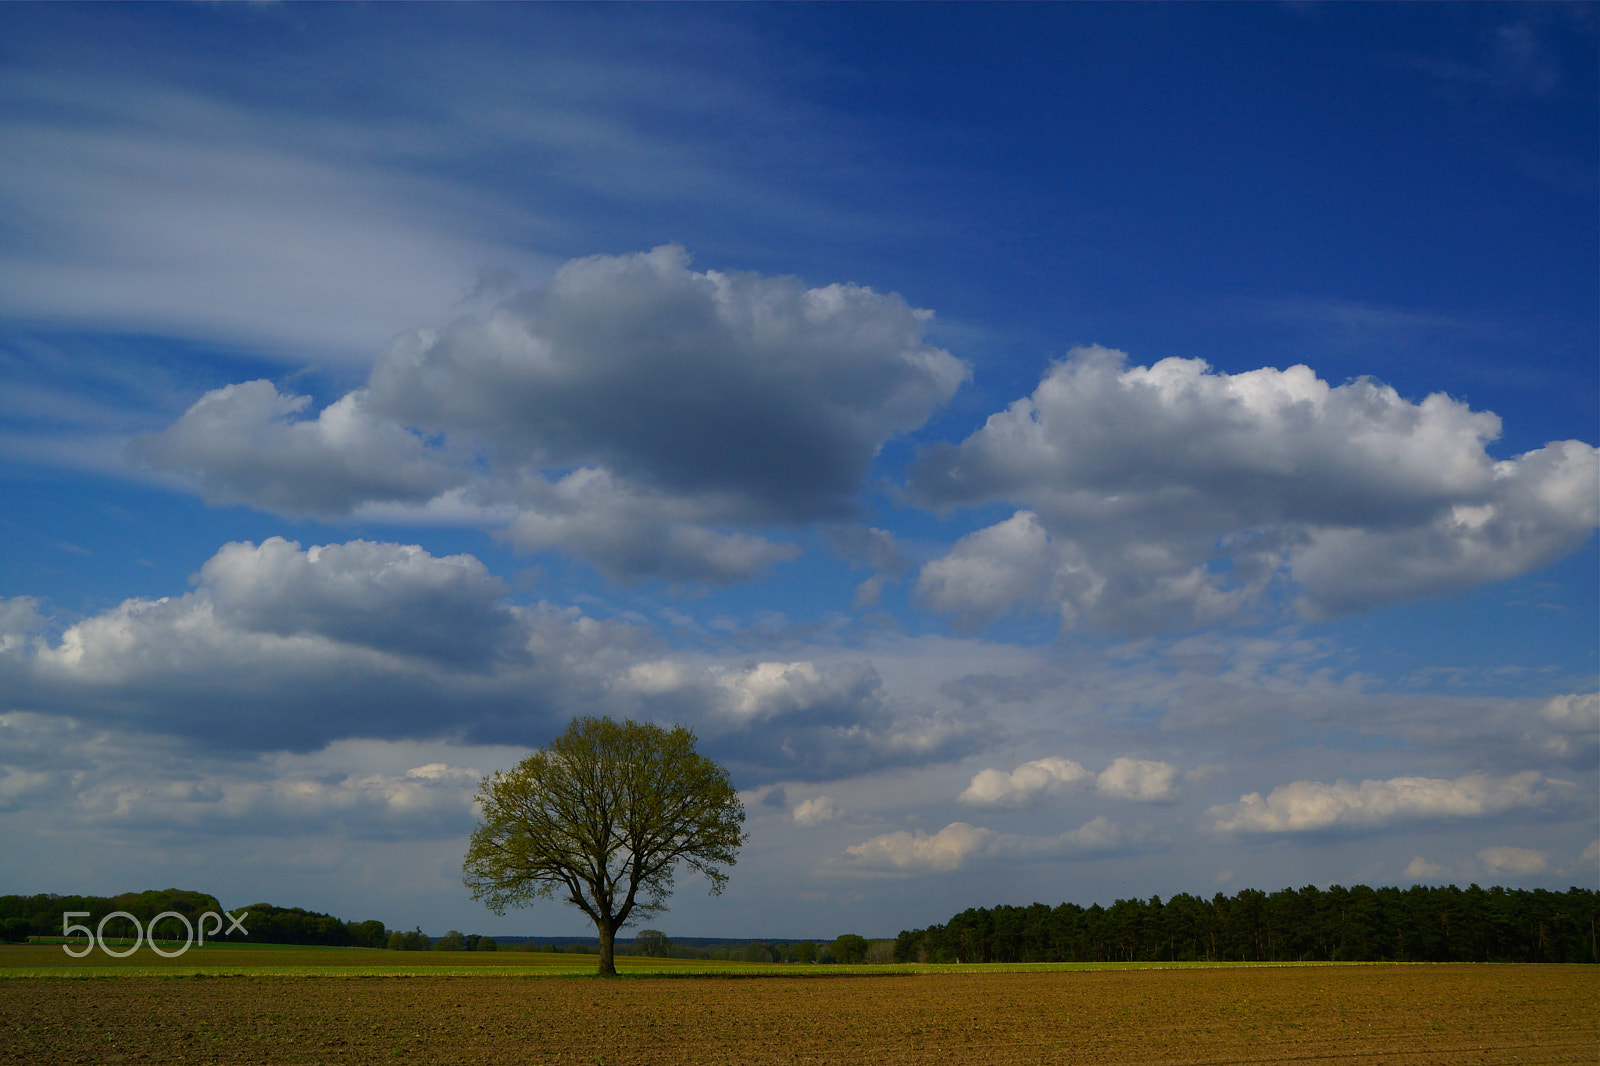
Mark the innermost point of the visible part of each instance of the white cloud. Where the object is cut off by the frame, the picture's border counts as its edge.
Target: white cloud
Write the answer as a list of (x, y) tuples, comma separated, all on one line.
[(796, 718), (1024, 785), (18, 617), (630, 531), (284, 647), (93, 779), (394, 598), (245, 444), (1143, 780), (948, 849), (1577, 712), (960, 843), (1126, 778), (152, 208), (1420, 869), (640, 366), (816, 811), (1538, 507), (1310, 806), (1508, 860), (281, 647), (1010, 564), (1173, 495), (601, 408), (768, 689)]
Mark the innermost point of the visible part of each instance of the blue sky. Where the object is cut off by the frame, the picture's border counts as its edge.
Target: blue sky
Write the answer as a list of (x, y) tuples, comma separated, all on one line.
[(1047, 452)]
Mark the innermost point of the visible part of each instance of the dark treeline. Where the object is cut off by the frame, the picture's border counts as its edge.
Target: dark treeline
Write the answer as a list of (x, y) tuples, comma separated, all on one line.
[(296, 925), (1419, 924), (41, 915), (848, 948)]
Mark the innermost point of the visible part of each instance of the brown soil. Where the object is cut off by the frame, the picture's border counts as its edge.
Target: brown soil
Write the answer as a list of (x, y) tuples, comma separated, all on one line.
[(1435, 1015)]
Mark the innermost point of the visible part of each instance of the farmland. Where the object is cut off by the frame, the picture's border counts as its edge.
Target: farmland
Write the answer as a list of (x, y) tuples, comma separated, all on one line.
[(225, 1004)]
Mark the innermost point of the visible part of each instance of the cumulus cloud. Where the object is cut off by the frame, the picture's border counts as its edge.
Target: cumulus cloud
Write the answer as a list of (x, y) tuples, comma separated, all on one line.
[(816, 811), (249, 443), (1144, 780), (633, 411), (1574, 712), (960, 843), (1009, 564), (1573, 723), (1508, 860), (1175, 495), (284, 647), (18, 617), (795, 719), (281, 647), (1126, 778), (1310, 806), (630, 531), (388, 597), (61, 770), (1024, 785), (643, 366), (948, 849), (1420, 869), (1538, 507)]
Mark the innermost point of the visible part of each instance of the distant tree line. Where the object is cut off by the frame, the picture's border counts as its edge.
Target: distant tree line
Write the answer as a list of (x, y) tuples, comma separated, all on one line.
[(40, 915), (296, 925), (1419, 924), (848, 948), (454, 940)]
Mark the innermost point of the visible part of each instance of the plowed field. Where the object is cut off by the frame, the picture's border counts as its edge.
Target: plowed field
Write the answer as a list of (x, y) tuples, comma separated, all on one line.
[(1434, 1015)]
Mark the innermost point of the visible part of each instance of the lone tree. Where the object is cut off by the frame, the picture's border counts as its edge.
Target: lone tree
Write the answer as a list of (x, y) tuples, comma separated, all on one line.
[(601, 819)]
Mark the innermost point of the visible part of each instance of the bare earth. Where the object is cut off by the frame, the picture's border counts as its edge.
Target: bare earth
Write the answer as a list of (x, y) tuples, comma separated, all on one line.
[(1415, 1014)]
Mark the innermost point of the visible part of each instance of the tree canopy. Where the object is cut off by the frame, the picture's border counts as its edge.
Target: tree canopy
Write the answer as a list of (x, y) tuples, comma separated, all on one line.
[(600, 819), (1420, 924)]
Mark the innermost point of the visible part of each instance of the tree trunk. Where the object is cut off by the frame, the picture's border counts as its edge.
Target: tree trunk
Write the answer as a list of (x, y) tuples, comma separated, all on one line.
[(608, 935)]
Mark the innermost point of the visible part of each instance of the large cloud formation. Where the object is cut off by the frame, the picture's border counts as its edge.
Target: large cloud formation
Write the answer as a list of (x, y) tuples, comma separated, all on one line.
[(288, 648), (1174, 495), (630, 410)]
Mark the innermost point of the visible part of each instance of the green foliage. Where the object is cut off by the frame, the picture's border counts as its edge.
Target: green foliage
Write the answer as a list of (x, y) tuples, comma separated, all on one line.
[(451, 941), (296, 925), (416, 940), (849, 948), (43, 912), (266, 924), (1359, 924), (651, 942), (601, 819)]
